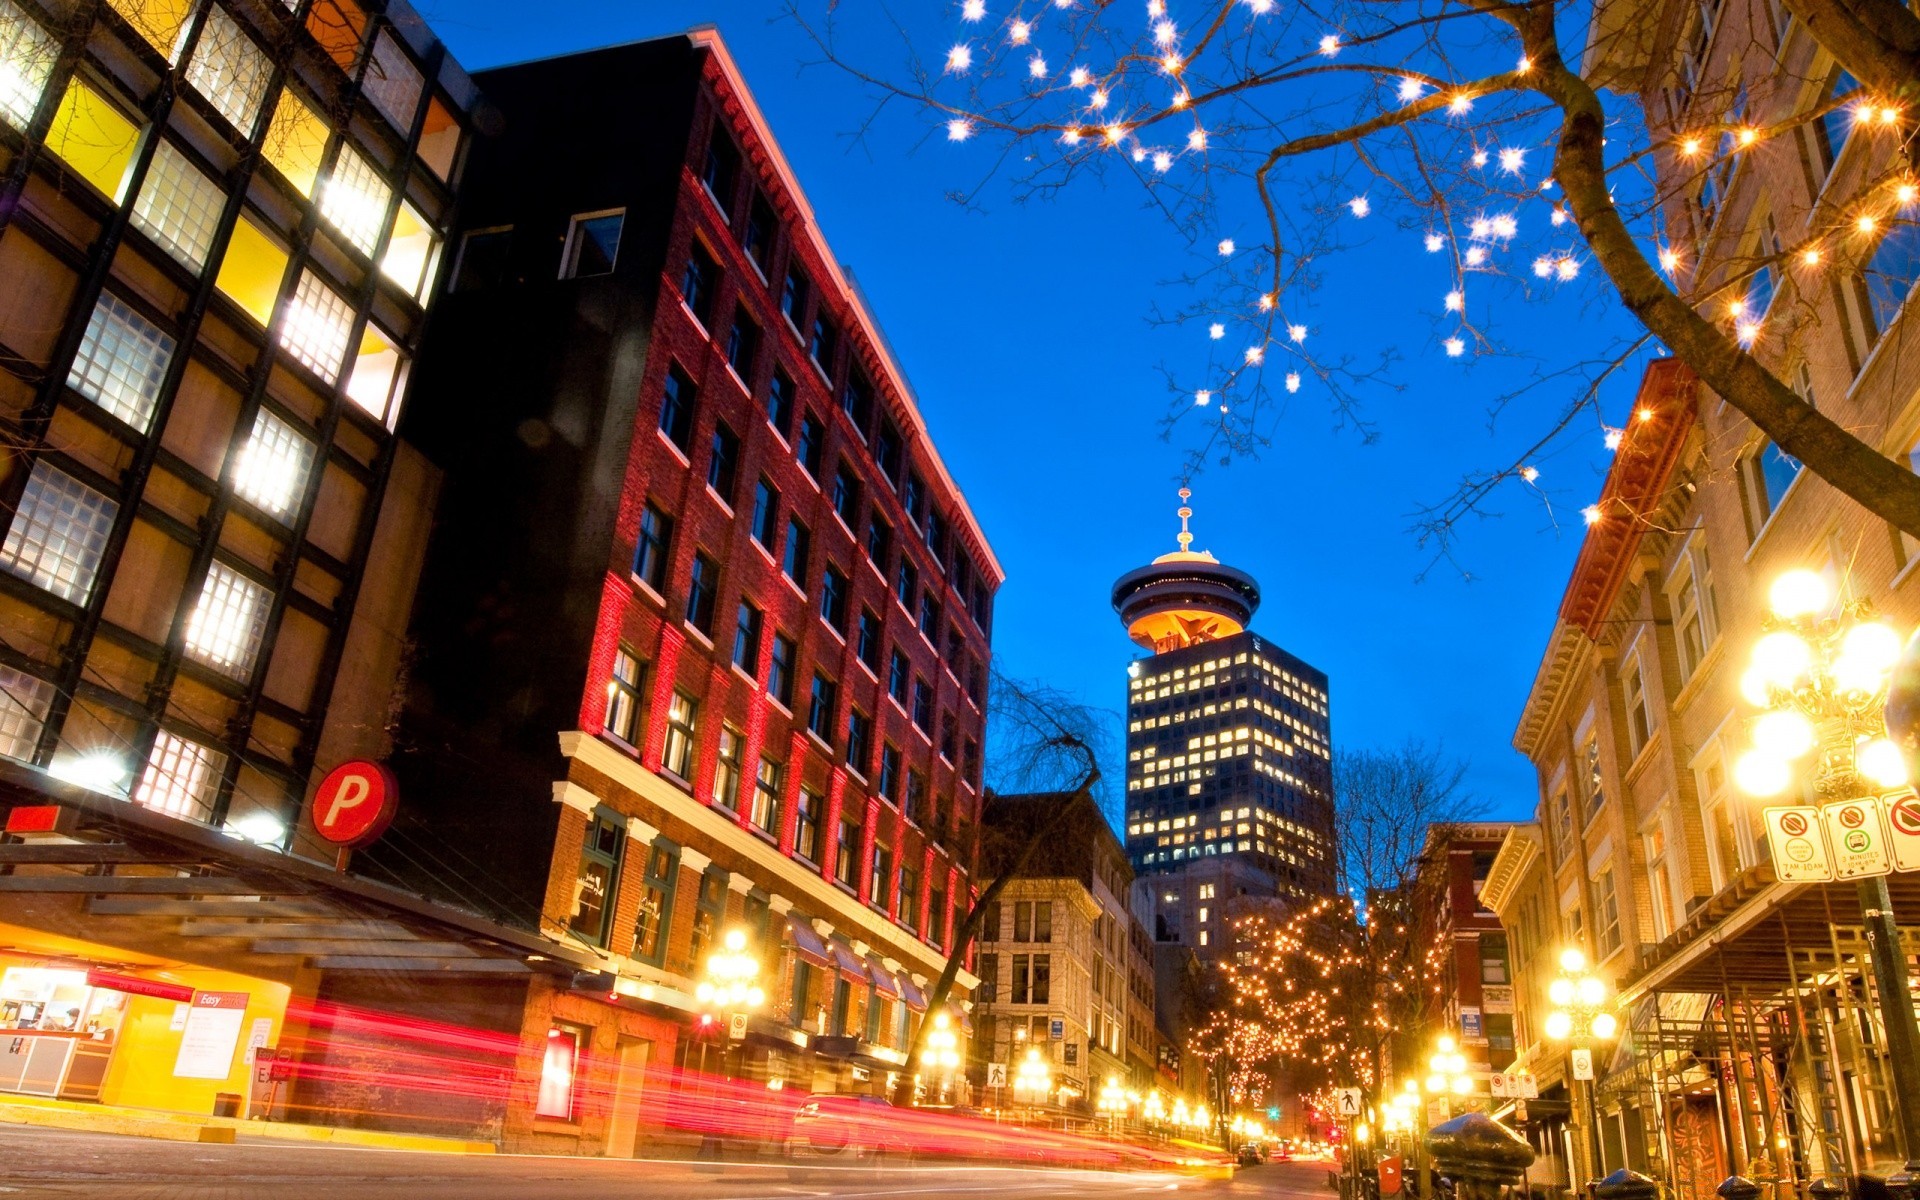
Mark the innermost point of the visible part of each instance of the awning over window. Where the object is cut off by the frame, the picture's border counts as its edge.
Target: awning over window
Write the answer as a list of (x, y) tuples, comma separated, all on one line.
[(915, 998), (807, 943), (848, 962), (883, 981)]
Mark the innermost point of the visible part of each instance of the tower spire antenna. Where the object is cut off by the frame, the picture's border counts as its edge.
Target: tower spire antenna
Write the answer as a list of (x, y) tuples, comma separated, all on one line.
[(1186, 512)]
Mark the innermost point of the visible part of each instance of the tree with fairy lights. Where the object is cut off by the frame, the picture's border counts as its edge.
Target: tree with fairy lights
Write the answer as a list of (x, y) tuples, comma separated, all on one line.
[(1314, 996), (1476, 132)]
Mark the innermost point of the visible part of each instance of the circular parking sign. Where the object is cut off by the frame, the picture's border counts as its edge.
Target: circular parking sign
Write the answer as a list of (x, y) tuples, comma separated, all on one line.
[(1852, 817), (1905, 813), (1794, 824), (1800, 850), (355, 803), (1857, 842)]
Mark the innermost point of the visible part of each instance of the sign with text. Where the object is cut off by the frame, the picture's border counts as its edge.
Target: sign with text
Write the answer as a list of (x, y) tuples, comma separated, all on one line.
[(1799, 844), (1903, 828), (1057, 1029), (1583, 1064), (1857, 838), (1471, 1028), (355, 803), (211, 1035)]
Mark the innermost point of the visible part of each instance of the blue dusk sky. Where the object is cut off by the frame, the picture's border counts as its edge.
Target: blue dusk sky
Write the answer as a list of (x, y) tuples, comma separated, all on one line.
[(1024, 328)]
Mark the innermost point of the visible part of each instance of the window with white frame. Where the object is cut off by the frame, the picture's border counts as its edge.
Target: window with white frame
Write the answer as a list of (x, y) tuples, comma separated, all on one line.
[(27, 54), (228, 622), (354, 200), (623, 695), (1690, 594), (23, 712), (1659, 882), (122, 361), (1606, 913), (229, 70), (272, 471), (58, 533), (316, 326), (1728, 848), (1633, 688), (393, 83), (180, 778), (179, 207), (377, 375)]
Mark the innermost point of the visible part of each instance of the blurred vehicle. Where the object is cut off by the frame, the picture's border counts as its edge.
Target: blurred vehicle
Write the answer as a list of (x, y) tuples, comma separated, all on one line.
[(1283, 1152), (1249, 1155), (838, 1131)]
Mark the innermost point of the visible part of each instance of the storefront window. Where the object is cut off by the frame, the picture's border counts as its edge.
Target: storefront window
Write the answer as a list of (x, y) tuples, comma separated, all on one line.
[(656, 904), (558, 1067), (599, 874), (710, 909)]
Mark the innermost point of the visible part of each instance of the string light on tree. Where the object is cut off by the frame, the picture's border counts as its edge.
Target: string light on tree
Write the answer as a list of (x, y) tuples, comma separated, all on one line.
[(1330, 45), (1435, 243), (959, 129), (959, 59), (973, 10), (1360, 206)]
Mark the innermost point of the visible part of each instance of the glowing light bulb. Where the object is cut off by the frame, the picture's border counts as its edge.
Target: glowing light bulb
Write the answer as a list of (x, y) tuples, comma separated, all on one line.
[(1529, 473), (1866, 223), (1114, 133), (1591, 514), (1434, 243), (1572, 960), (1906, 193), (1798, 593), (1360, 206), (1504, 226), (1748, 137), (1873, 644), (1256, 355), (1203, 398), (1613, 437), (1880, 761), (1079, 77), (1019, 33), (1330, 45), (1266, 301), (1476, 255), (1293, 381), (1479, 158), (959, 59), (1216, 331), (1605, 1025), (1746, 332), (1197, 139), (1511, 160), (1462, 102), (1759, 773), (1411, 89), (1455, 347), (1811, 256), (1558, 216), (973, 10), (1782, 657), (1755, 689), (1689, 147), (1098, 100), (1560, 991), (1559, 1025), (1567, 268), (1456, 301), (1669, 260), (1297, 332), (1785, 732), (1037, 67), (1225, 247), (959, 129), (1162, 161)]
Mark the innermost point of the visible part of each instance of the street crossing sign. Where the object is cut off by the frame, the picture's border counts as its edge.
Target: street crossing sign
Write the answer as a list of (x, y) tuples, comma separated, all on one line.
[(996, 1074), (1799, 844), (1857, 838), (1347, 1100), (1903, 824)]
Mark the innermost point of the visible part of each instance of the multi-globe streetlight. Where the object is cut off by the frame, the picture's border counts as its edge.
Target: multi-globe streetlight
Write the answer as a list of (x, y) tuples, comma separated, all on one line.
[(1582, 1017), (1821, 674), (1033, 1079)]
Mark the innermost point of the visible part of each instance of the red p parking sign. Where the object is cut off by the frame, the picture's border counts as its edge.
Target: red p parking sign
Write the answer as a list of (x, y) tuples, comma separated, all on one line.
[(355, 803)]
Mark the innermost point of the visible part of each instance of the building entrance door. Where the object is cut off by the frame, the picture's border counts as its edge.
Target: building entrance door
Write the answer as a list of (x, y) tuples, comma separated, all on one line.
[(629, 1076)]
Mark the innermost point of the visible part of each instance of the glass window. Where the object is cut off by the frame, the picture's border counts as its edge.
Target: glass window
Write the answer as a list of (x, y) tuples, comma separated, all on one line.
[(890, 771), (58, 534), (413, 250), (709, 909), (898, 672), (23, 712), (593, 244), (757, 238), (272, 467), (880, 876), (820, 347), (378, 376), (765, 814), (869, 642), (833, 598), (726, 770), (703, 584), (251, 271), (392, 82), (923, 705), (723, 464), (886, 449), (780, 670), (122, 361), (746, 638), (820, 707), (856, 400), (766, 514), (180, 778), (354, 200), (228, 621), (339, 26), (485, 259), (1639, 723), (160, 22), (909, 897), (812, 441), (623, 696), (656, 904), (794, 559), (676, 409), (699, 282), (806, 824), (91, 136), (27, 53), (229, 70), (296, 142), (1891, 272), (845, 494), (793, 296), (316, 327), (906, 582), (879, 541), (178, 207), (859, 740), (558, 1061), (743, 343), (678, 757), (780, 402), (846, 851), (1606, 913), (721, 170), (597, 883), (650, 554), (439, 139)]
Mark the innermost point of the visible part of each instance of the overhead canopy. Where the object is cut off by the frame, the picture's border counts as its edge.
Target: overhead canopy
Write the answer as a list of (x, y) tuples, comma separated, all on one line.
[(807, 943)]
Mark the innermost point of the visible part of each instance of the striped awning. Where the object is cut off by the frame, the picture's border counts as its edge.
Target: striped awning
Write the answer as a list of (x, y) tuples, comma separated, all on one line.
[(807, 943), (883, 980), (848, 962)]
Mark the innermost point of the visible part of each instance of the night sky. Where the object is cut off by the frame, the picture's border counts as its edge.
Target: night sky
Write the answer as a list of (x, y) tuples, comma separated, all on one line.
[(1024, 329)]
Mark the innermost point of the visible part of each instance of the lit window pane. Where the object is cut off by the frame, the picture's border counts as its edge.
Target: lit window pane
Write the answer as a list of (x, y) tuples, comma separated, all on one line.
[(181, 778), (272, 471), (161, 22), (412, 250), (23, 710), (178, 206), (26, 59), (379, 371), (227, 623), (229, 70), (251, 270), (316, 326), (439, 139), (94, 138), (393, 83), (123, 358), (58, 534), (296, 139), (354, 199)]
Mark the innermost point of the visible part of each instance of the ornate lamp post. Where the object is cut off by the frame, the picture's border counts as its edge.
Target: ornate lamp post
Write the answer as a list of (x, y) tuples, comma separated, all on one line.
[(1112, 1101), (1580, 1016), (726, 987), (940, 1050), (1821, 675), (1033, 1081), (1447, 1071)]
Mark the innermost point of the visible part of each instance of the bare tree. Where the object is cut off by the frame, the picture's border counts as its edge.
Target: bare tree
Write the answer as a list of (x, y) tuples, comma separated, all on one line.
[(1042, 741), (1318, 992), (1434, 115)]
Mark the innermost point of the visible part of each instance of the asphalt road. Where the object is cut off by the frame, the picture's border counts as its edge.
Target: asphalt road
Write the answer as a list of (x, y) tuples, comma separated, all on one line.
[(51, 1163)]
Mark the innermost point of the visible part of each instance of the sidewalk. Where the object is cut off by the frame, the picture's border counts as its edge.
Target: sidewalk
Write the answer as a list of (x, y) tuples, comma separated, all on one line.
[(184, 1127)]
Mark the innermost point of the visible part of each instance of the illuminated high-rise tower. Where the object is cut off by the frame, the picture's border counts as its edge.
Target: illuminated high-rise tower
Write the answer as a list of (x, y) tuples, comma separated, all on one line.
[(1228, 749)]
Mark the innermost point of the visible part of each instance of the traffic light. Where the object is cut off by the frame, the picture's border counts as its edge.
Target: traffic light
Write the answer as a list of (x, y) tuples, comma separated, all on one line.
[(1273, 1113)]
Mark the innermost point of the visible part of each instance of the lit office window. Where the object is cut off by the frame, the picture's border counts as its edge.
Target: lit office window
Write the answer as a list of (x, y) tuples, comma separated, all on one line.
[(161, 22), (392, 82), (58, 534), (296, 139), (379, 372), (227, 623), (439, 139), (26, 59), (272, 471), (251, 270), (229, 70), (123, 358), (413, 250), (93, 137), (23, 711), (178, 207), (354, 200), (181, 778), (316, 326)]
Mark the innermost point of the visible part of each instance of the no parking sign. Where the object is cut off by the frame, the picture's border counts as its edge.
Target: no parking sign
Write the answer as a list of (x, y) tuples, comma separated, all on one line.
[(1903, 824), (1799, 844)]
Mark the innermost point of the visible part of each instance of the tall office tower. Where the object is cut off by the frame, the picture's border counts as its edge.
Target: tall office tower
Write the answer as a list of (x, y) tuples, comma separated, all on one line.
[(1228, 750)]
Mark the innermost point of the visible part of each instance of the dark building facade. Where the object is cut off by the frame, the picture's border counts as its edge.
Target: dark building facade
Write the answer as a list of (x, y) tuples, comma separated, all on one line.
[(1228, 751), (702, 640)]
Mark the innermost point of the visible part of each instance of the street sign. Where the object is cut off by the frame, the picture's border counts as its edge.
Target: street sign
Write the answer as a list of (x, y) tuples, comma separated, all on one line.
[(1583, 1064), (1471, 1028), (1347, 1101), (996, 1074), (1857, 838), (1057, 1028), (1799, 844), (1519, 1110), (736, 1026), (1497, 1085), (1525, 1086), (1903, 823), (355, 803)]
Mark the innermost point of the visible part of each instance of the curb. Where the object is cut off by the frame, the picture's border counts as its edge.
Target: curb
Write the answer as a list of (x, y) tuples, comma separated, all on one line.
[(180, 1127)]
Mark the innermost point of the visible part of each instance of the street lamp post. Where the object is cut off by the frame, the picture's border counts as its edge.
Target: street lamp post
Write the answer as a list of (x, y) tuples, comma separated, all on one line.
[(1821, 676), (940, 1050), (726, 987), (1447, 1072), (1113, 1102), (1033, 1080), (1580, 1017)]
